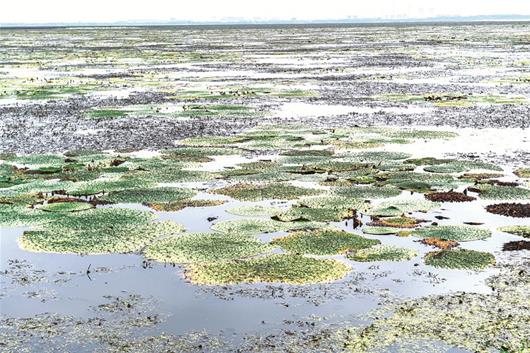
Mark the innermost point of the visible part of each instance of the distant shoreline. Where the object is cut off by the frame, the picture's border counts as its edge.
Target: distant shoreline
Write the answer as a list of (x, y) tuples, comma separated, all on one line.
[(480, 20)]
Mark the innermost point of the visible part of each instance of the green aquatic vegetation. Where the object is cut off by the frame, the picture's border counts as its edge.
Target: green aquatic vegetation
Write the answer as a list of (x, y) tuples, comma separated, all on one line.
[(335, 202), (258, 176), (458, 166), (204, 247), (378, 156), (102, 218), (214, 141), (106, 185), (522, 231), (367, 192), (256, 192), (397, 208), (217, 110), (170, 174), (421, 134), (419, 182), (495, 192), (475, 322), (143, 195), (313, 214), (256, 210), (307, 153), (523, 172), (460, 259), (107, 113), (382, 253), (258, 226), (398, 222), (196, 154), (326, 241), (458, 233), (34, 160), (97, 239), (63, 207), (278, 268), (378, 230), (17, 215), (179, 205)]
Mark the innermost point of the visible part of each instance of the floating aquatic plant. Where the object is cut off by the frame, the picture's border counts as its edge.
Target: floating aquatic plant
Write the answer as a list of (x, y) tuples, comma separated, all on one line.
[(63, 207), (460, 259), (449, 196), (377, 230), (179, 205), (367, 192), (256, 210), (523, 172), (382, 253), (251, 192), (313, 214), (519, 210), (327, 241), (335, 202), (457, 233), (96, 239), (522, 231), (495, 192), (397, 208), (204, 247), (398, 222), (257, 226), (278, 268), (141, 195)]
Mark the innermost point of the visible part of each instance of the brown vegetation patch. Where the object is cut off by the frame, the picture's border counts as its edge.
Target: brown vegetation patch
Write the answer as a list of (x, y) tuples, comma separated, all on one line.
[(449, 196), (439, 243), (510, 209), (516, 245)]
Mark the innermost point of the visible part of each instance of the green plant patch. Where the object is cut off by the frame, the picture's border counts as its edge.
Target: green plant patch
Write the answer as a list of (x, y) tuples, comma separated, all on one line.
[(204, 247), (367, 192), (179, 205), (258, 226), (523, 172), (397, 208), (382, 253), (522, 231), (256, 210), (213, 141), (143, 195), (335, 202), (327, 241), (97, 239), (460, 166), (278, 268), (107, 113), (196, 154), (460, 259), (17, 215), (251, 192), (419, 182), (377, 230), (457, 233), (398, 222), (65, 207), (106, 185), (494, 192), (379, 156), (421, 134), (313, 214)]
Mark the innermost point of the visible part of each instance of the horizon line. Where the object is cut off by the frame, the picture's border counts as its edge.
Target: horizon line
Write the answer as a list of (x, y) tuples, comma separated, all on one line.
[(242, 22)]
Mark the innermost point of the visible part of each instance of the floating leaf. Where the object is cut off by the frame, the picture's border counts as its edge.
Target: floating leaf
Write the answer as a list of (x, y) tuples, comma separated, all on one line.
[(458, 233), (382, 253), (460, 259), (327, 241)]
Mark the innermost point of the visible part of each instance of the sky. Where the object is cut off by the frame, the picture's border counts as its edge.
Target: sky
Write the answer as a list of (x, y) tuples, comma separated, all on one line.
[(71, 11)]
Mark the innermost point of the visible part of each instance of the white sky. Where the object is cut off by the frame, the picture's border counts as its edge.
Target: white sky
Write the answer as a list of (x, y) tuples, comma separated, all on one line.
[(45, 11)]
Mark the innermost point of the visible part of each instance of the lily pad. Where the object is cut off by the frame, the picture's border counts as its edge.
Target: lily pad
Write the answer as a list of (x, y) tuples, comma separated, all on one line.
[(457, 233), (204, 247), (251, 192), (141, 195), (375, 230), (256, 210), (382, 253), (328, 241), (460, 259), (278, 268), (522, 231), (519, 210), (64, 207), (397, 208)]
